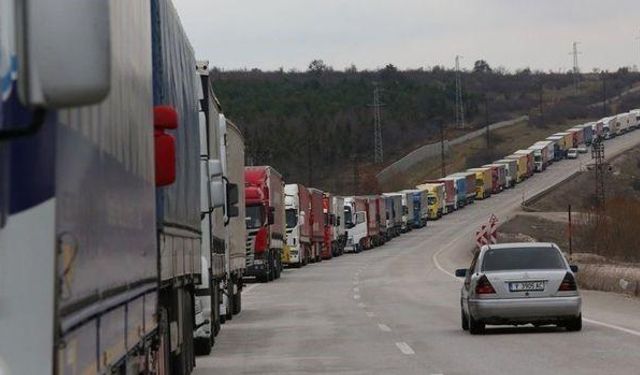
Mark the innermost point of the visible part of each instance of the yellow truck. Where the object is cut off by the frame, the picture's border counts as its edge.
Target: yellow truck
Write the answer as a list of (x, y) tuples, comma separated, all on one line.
[(435, 199), (484, 182), (522, 166)]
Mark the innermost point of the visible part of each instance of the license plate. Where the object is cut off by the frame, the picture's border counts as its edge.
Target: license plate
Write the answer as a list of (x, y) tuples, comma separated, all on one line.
[(526, 286)]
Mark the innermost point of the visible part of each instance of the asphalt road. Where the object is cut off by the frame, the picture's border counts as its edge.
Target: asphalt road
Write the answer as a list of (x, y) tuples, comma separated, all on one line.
[(395, 310)]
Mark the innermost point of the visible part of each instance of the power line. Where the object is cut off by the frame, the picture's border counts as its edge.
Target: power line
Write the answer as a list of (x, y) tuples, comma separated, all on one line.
[(378, 155), (576, 67), (459, 102)]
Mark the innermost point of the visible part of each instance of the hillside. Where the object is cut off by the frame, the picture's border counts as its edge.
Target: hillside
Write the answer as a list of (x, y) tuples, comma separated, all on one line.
[(316, 127)]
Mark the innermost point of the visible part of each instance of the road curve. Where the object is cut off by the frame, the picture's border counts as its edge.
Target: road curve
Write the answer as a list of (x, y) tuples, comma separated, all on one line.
[(395, 310)]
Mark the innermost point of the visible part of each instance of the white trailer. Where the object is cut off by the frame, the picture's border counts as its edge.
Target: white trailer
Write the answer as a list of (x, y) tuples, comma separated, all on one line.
[(356, 224)]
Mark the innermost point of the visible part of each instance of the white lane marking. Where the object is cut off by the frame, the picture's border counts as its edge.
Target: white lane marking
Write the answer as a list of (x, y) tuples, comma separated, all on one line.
[(356, 296), (612, 326), (356, 289), (405, 348), (362, 305), (248, 289), (384, 327), (370, 314)]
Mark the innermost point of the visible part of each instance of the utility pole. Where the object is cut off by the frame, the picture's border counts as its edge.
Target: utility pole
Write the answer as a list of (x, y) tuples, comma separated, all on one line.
[(541, 102), (603, 75), (459, 103), (576, 68), (378, 155), (597, 153), (442, 159)]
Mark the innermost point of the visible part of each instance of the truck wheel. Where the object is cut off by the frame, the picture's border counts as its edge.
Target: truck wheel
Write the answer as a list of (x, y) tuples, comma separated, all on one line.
[(237, 299), (202, 346), (270, 270)]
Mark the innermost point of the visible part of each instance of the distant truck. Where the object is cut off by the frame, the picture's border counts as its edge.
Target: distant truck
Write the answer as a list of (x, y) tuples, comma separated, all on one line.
[(470, 184), (499, 176), (329, 220), (420, 213), (356, 224), (265, 222), (393, 205), (317, 224), (484, 183), (339, 230), (435, 199), (407, 211), (511, 166), (377, 220), (298, 219), (543, 154), (450, 197), (530, 161)]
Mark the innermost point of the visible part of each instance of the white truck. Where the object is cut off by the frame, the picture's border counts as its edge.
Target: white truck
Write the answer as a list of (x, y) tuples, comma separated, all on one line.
[(298, 219), (356, 224), (407, 211), (339, 230)]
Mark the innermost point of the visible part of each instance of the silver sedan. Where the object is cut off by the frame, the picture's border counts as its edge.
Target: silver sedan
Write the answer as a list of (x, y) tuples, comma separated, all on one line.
[(518, 284)]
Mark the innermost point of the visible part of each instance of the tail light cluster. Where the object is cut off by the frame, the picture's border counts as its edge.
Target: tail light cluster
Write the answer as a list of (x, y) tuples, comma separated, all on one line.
[(483, 286), (568, 284), (261, 240)]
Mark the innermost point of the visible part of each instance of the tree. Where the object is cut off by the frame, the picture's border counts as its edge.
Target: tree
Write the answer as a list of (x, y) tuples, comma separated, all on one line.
[(481, 66), (318, 66)]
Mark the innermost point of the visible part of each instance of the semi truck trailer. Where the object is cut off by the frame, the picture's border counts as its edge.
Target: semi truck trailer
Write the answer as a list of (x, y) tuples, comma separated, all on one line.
[(298, 219)]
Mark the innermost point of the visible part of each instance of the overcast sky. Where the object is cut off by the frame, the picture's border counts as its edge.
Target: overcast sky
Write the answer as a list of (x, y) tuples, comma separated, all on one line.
[(269, 34)]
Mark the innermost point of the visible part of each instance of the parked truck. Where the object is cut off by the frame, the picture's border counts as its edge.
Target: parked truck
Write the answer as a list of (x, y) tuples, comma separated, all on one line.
[(450, 201), (317, 224), (499, 177), (328, 223), (470, 184), (407, 211), (82, 263), (265, 222), (483, 182), (356, 224), (393, 204), (298, 218), (530, 161), (339, 231), (435, 199), (460, 188), (543, 154), (511, 166), (420, 211)]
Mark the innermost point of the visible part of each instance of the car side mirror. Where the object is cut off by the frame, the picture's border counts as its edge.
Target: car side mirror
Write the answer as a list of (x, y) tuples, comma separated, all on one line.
[(573, 268), (462, 272)]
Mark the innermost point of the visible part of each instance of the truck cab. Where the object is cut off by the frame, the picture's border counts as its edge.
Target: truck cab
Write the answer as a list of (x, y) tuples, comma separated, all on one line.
[(356, 226)]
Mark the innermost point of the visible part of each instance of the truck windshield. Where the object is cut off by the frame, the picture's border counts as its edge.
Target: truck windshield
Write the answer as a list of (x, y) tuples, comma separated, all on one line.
[(431, 200), (292, 217), (254, 217)]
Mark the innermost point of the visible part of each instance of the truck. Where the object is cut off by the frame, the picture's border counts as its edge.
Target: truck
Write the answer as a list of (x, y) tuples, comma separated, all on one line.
[(328, 225), (420, 211), (543, 154), (511, 166), (470, 184), (377, 221), (339, 231), (635, 113), (265, 222), (435, 199), (559, 149), (576, 136), (393, 205), (499, 177), (483, 183), (218, 297), (598, 129), (522, 166), (356, 224), (530, 163), (407, 211), (460, 185), (317, 224), (450, 200), (588, 132), (298, 218), (607, 126)]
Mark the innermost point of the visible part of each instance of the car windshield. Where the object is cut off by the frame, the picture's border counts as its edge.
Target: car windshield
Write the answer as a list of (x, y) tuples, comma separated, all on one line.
[(253, 217), (525, 258), (292, 217)]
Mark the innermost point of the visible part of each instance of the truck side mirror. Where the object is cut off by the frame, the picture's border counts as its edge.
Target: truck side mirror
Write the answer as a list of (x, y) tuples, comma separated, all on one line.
[(164, 117), (64, 52), (216, 186), (232, 200), (271, 217)]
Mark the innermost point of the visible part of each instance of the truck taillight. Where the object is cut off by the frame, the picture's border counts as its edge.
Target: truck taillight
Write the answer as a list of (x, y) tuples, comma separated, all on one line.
[(484, 286), (261, 242), (568, 284)]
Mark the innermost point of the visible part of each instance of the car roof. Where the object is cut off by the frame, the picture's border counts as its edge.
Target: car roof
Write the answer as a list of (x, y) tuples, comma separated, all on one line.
[(518, 245)]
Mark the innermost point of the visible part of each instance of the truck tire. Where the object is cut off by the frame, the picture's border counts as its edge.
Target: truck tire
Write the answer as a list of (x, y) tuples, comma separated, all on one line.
[(237, 299), (269, 263), (202, 346)]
